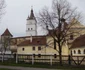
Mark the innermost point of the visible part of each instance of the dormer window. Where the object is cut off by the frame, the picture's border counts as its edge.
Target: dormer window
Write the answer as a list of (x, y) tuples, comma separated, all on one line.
[(71, 37)]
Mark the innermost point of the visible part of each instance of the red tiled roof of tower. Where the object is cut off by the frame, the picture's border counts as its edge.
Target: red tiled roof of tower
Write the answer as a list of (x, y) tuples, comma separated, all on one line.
[(6, 33), (35, 41)]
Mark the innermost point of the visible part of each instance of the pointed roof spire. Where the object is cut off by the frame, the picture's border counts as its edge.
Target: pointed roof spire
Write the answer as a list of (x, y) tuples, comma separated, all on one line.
[(6, 33), (31, 14)]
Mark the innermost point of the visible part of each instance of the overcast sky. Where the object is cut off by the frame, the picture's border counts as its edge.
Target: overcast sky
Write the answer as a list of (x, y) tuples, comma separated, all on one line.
[(17, 12)]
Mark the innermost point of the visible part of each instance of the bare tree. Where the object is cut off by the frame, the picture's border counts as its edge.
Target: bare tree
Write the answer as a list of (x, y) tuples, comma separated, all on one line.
[(58, 21), (5, 43), (2, 12), (2, 6)]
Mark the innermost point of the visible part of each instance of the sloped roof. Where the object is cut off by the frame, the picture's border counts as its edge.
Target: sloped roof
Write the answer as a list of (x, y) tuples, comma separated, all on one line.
[(35, 41), (6, 33), (79, 42)]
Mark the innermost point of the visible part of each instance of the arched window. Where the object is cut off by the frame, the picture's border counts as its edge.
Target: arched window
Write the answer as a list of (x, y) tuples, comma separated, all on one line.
[(74, 52), (84, 51), (79, 52)]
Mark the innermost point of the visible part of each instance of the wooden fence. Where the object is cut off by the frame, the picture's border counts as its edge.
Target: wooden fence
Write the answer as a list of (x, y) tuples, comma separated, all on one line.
[(38, 58)]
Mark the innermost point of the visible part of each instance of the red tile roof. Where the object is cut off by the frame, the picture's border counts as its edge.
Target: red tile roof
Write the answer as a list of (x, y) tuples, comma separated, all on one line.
[(79, 42), (7, 33), (35, 41)]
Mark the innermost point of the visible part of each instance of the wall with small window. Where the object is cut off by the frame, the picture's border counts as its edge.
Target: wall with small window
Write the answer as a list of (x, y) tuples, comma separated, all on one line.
[(35, 50), (26, 49), (78, 51), (30, 49), (40, 49)]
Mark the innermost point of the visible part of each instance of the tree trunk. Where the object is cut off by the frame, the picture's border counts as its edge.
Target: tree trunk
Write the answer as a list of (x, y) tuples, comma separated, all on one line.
[(60, 54), (54, 44)]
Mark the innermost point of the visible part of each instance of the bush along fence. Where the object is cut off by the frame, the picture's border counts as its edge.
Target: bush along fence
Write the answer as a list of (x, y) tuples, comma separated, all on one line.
[(38, 58)]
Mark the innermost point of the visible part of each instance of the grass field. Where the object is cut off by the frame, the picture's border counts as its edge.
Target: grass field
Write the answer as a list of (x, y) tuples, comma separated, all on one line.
[(4, 69), (41, 65)]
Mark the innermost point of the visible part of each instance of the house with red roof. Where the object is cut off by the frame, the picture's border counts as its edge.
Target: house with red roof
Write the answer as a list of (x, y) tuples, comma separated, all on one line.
[(78, 46)]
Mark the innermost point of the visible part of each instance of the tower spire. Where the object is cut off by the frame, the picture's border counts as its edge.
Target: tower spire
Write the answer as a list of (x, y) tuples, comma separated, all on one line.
[(31, 14)]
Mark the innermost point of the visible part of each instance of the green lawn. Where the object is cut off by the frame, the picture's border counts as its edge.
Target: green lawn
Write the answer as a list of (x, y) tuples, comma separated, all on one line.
[(42, 65), (4, 69)]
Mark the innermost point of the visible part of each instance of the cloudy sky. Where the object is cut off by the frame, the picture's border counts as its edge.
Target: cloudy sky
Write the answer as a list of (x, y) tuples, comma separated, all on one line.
[(17, 12)]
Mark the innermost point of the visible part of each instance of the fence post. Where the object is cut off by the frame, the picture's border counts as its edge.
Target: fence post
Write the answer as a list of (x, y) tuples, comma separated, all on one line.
[(16, 58), (32, 59), (51, 60), (78, 60), (2, 57), (69, 59)]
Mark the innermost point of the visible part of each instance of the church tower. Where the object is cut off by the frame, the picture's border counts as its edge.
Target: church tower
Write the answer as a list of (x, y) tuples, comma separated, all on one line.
[(31, 25)]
